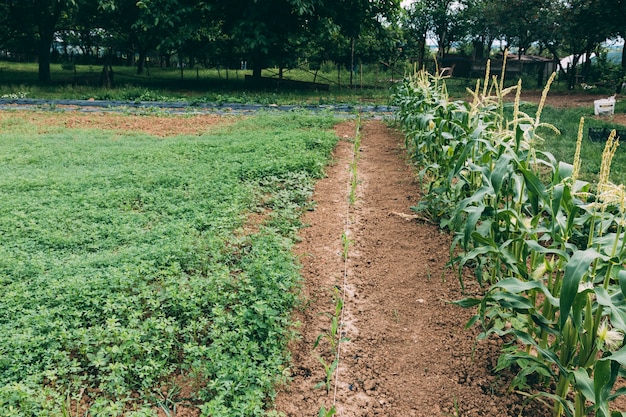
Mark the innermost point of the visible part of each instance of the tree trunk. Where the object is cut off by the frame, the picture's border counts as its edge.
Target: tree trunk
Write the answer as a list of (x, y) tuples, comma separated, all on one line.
[(141, 62), (571, 72), (43, 56), (351, 60), (421, 51), (257, 68), (441, 44), (46, 34), (478, 49), (624, 57)]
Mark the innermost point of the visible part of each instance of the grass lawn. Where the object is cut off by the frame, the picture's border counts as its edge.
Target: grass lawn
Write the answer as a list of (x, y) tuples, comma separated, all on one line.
[(563, 145), (196, 85)]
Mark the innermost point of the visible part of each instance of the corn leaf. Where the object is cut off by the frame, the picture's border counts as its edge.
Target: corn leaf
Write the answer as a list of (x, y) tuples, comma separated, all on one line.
[(516, 286), (618, 317), (500, 171), (585, 384), (576, 268)]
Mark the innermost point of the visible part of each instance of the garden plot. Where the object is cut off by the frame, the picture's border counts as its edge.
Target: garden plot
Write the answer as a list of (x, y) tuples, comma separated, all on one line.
[(131, 280)]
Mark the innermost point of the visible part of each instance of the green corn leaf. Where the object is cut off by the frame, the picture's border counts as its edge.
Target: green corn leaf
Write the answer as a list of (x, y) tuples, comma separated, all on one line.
[(477, 197), (468, 302), (618, 356), (472, 321), (485, 241), (534, 184), (547, 354), (545, 324), (604, 376), (584, 384), (572, 210), (557, 196), (576, 268), (617, 393), (618, 316), (580, 304), (534, 203), (516, 286), (460, 164), (499, 172), (536, 247), (621, 276), (565, 170), (514, 302), (470, 224)]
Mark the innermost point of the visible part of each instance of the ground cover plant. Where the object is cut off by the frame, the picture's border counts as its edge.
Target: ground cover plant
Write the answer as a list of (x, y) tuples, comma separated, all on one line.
[(547, 247), (140, 272)]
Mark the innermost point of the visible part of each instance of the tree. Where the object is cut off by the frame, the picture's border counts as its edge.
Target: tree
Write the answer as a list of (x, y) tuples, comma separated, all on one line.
[(446, 22), (273, 33), (575, 30), (35, 23), (267, 31), (270, 32), (518, 22), (148, 25), (356, 16), (417, 23), (482, 27)]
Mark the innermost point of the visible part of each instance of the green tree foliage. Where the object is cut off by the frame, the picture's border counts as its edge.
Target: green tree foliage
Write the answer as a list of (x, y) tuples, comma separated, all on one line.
[(34, 23), (575, 30), (285, 32), (268, 31), (417, 23)]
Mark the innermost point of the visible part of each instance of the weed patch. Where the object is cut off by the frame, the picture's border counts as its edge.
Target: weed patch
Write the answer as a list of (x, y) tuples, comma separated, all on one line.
[(121, 268)]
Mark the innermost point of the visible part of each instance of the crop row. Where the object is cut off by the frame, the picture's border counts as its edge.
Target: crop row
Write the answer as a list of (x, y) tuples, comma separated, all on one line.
[(547, 248)]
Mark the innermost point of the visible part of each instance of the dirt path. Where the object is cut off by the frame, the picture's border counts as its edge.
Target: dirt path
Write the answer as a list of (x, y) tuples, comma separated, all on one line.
[(408, 353)]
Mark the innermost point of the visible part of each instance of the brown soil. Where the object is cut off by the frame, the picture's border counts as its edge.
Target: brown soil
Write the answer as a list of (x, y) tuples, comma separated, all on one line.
[(160, 126)]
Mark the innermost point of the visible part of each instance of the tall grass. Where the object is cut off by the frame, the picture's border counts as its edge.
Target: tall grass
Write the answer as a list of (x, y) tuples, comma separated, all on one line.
[(548, 248)]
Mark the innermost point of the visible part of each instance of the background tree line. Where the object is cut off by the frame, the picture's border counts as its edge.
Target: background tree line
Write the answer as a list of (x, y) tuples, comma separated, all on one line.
[(283, 33)]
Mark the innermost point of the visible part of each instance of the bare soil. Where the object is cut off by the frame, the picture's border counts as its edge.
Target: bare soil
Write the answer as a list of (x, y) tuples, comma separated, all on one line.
[(157, 125)]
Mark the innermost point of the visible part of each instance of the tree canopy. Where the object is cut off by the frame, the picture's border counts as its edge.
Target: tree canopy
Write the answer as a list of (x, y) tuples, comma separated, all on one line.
[(283, 33)]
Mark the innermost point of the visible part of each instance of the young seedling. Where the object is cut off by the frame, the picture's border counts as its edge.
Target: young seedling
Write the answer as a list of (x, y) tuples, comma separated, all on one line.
[(329, 370), (332, 336), (327, 413), (346, 241)]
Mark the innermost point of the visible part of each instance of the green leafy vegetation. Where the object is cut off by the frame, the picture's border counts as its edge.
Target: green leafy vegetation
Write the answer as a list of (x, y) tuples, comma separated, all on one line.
[(547, 247), (127, 266)]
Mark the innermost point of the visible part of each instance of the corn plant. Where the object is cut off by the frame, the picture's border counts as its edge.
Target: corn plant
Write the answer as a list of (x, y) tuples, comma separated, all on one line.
[(549, 248), (327, 413), (329, 369), (333, 336)]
